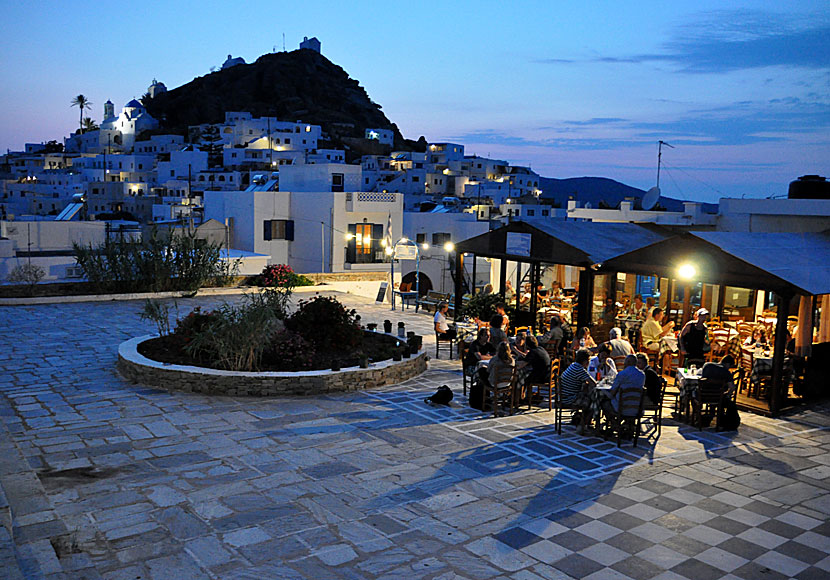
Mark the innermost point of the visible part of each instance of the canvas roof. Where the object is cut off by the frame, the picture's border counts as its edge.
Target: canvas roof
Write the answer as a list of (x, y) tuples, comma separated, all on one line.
[(566, 242)]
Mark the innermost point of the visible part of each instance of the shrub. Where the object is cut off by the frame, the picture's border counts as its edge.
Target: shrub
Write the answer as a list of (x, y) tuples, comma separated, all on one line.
[(289, 351), (235, 337), (160, 262), (159, 313), (483, 306), (282, 276), (324, 321), (193, 323), (29, 274)]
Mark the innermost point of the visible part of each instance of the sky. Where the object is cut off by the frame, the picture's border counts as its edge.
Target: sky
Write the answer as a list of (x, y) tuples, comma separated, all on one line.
[(740, 89)]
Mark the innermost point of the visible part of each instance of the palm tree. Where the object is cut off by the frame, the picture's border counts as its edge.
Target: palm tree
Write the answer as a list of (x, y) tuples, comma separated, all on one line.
[(82, 103), (89, 125)]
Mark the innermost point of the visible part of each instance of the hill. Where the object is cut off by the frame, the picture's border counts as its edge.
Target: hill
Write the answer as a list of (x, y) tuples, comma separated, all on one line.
[(298, 85), (601, 190)]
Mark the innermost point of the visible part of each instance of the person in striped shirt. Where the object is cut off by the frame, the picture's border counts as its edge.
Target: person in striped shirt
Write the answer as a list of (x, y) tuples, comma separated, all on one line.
[(575, 382)]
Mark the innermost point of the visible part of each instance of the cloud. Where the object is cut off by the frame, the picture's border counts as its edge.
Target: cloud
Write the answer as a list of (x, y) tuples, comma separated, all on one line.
[(726, 41)]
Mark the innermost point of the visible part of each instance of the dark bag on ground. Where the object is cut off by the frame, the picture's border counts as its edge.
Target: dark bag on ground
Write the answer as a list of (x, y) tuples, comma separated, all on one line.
[(442, 396), (728, 417), (476, 397)]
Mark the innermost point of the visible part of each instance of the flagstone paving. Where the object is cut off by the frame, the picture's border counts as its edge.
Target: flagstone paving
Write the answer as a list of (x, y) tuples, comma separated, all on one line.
[(100, 478)]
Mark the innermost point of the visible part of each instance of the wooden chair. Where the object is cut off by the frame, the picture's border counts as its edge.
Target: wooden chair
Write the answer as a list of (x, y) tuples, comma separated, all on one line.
[(745, 365), (709, 395), (550, 386), (552, 348), (654, 409), (559, 407), (615, 423), (505, 386), (619, 362), (450, 342)]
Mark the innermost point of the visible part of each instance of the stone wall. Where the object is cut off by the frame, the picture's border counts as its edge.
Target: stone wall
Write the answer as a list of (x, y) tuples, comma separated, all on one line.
[(137, 368)]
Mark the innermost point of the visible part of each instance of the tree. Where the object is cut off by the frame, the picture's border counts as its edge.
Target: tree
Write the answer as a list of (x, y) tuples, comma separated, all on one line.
[(89, 125), (145, 99), (82, 103)]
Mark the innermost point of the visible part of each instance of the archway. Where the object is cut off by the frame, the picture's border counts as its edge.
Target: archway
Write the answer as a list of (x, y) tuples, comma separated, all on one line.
[(424, 283)]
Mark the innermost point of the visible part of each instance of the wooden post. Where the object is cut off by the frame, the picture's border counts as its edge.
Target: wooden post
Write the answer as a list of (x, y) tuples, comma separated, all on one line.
[(459, 285), (502, 277), (473, 282), (721, 299), (779, 349), (534, 280), (586, 297)]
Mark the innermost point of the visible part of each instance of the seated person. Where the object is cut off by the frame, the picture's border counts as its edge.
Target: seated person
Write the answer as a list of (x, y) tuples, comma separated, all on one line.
[(575, 381), (602, 365), (509, 293), (501, 359), (555, 290), (583, 339), (653, 330), (520, 347), (626, 394), (554, 333), (721, 372), (609, 313), (652, 384), (505, 323), (694, 338), (480, 349), (758, 338), (619, 345), (497, 335), (442, 327), (538, 360), (638, 308)]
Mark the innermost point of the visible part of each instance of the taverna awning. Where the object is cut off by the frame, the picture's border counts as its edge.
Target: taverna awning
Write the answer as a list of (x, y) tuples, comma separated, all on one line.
[(562, 242), (787, 263)]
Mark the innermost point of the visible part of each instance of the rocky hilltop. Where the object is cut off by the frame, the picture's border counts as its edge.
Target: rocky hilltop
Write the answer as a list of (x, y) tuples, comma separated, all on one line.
[(299, 85)]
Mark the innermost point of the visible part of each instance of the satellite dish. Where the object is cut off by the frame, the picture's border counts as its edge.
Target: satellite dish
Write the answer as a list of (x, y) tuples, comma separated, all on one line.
[(650, 198)]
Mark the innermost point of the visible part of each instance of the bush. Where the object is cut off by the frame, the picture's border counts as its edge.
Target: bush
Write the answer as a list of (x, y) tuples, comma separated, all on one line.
[(29, 274), (325, 322), (158, 263), (483, 306), (159, 313), (289, 351), (194, 323), (282, 276), (235, 337)]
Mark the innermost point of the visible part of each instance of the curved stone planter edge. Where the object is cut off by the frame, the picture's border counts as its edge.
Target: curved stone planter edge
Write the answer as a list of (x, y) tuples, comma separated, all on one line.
[(138, 368)]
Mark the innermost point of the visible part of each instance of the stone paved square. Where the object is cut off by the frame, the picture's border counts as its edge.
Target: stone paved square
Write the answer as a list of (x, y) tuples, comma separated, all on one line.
[(103, 478)]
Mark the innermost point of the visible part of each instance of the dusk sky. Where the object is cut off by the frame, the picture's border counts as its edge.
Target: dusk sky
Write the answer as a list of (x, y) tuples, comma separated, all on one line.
[(570, 88)]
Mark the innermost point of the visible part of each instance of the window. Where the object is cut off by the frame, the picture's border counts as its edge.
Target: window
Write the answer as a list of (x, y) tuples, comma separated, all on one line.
[(221, 178), (439, 239), (367, 181), (415, 179), (337, 182), (420, 238), (545, 213), (278, 230), (364, 244), (287, 141), (531, 212), (419, 166)]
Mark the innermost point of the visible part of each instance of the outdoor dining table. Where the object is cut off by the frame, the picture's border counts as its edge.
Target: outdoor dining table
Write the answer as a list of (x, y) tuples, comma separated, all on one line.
[(596, 396), (762, 367), (688, 380), (466, 331)]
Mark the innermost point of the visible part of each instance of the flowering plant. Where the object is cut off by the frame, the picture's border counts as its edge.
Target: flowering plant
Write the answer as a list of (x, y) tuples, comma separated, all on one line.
[(279, 275)]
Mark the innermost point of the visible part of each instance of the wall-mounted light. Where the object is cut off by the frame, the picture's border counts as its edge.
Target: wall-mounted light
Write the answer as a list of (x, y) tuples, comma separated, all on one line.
[(686, 271), (449, 247)]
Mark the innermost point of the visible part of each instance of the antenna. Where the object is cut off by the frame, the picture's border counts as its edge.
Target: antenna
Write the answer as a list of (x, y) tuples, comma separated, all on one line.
[(283, 42), (660, 157)]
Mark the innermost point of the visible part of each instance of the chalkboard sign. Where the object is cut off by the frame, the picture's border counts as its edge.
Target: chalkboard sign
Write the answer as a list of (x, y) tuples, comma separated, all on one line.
[(382, 292)]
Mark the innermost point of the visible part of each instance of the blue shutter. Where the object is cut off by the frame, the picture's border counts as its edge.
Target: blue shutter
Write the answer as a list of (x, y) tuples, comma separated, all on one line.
[(289, 230), (266, 230)]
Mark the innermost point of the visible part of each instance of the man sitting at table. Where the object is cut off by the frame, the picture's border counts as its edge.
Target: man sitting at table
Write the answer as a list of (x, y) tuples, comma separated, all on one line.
[(554, 333), (619, 346), (694, 338), (626, 393), (538, 360), (652, 384), (497, 335), (480, 349), (721, 372), (575, 381), (652, 330)]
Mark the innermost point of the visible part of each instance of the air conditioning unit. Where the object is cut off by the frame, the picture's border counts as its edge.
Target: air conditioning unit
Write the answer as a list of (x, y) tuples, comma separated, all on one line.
[(74, 272)]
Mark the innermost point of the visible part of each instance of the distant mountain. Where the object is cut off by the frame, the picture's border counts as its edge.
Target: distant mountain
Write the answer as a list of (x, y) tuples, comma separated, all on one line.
[(601, 190), (299, 85)]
